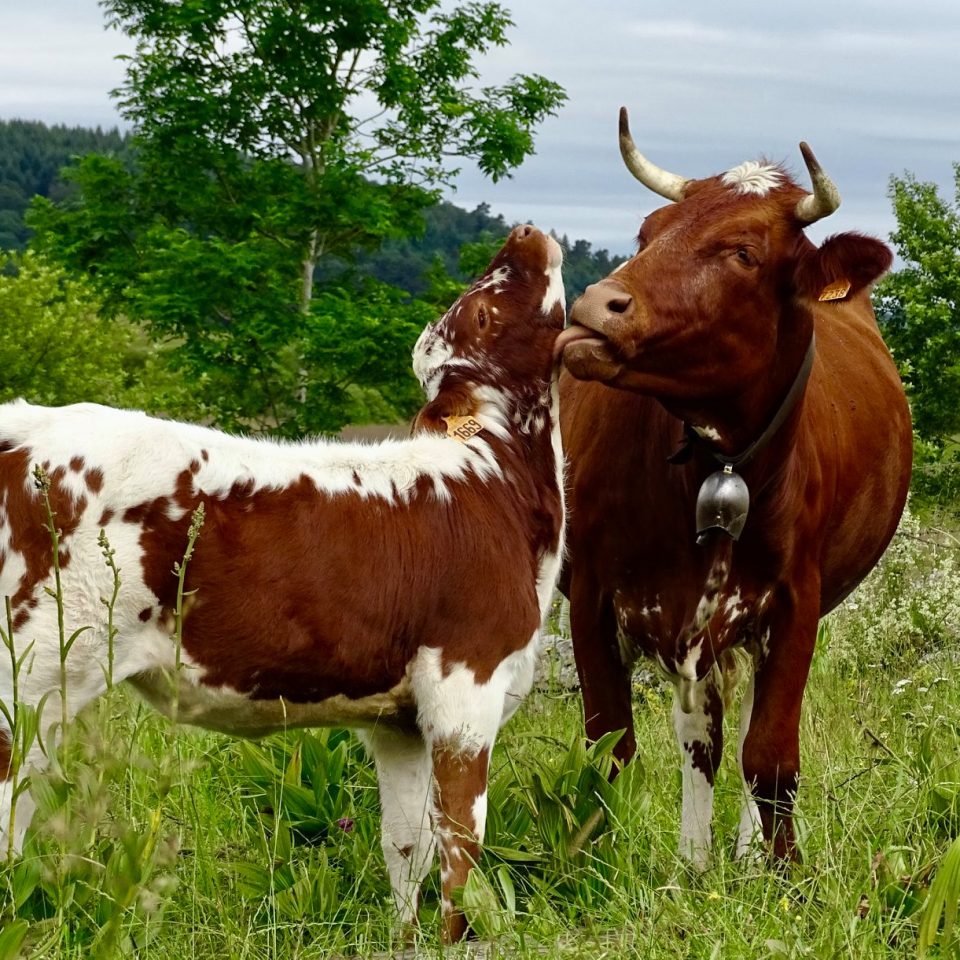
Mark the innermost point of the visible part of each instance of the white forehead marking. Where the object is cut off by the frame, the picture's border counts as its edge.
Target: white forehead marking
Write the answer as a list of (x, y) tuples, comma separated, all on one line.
[(753, 177)]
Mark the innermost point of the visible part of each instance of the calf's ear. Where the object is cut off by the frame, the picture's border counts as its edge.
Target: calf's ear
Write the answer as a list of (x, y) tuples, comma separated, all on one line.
[(842, 266), (428, 419), (455, 401)]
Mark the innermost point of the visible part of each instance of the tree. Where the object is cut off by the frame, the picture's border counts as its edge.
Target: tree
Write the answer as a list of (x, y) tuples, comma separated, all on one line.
[(919, 305), (918, 308), (55, 347), (269, 136)]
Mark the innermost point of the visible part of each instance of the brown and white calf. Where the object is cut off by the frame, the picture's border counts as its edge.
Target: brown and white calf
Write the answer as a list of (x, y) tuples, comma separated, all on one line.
[(739, 446), (397, 587)]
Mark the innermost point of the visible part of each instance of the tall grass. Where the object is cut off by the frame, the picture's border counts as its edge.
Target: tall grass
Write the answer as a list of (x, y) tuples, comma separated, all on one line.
[(188, 844)]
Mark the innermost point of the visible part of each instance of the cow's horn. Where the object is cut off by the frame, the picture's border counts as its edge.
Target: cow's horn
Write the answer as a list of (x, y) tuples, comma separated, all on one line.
[(825, 197), (667, 184)]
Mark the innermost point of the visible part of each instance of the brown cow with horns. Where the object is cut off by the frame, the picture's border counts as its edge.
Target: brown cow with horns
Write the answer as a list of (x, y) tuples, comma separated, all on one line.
[(740, 452)]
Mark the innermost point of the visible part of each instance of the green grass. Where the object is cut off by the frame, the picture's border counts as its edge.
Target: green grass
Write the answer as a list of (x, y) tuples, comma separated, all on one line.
[(174, 843)]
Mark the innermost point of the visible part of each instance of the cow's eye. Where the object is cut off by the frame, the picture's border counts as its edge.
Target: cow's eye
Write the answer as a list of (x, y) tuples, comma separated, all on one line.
[(746, 257), (481, 319)]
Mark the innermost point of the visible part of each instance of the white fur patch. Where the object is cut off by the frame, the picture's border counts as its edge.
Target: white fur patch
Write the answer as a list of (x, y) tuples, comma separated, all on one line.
[(143, 457), (555, 292), (454, 708), (688, 669), (693, 727), (708, 433), (753, 177)]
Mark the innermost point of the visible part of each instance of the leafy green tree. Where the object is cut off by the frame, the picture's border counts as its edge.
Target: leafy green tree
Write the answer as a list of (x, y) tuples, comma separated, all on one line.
[(919, 305), (918, 308), (271, 135), (55, 345)]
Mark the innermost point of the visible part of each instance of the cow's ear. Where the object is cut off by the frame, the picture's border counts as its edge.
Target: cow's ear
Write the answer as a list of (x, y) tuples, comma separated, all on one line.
[(842, 266)]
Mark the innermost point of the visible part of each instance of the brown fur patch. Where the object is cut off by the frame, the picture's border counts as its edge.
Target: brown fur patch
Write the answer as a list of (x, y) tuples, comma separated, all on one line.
[(458, 780), (94, 480), (6, 754), (27, 518)]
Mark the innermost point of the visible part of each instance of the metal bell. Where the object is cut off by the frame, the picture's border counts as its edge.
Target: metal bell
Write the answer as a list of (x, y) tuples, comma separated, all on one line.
[(722, 504)]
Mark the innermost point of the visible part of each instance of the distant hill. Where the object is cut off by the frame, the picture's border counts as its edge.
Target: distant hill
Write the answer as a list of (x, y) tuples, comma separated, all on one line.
[(33, 154), (31, 157), (405, 263)]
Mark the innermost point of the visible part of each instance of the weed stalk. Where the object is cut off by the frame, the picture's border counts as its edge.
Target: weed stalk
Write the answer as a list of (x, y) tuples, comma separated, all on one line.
[(109, 558), (180, 571)]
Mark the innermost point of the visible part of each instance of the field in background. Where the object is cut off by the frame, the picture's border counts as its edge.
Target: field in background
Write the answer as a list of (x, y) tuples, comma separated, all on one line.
[(165, 843)]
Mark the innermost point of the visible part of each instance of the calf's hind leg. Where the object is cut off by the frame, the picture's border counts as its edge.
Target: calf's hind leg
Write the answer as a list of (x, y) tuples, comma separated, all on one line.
[(404, 773)]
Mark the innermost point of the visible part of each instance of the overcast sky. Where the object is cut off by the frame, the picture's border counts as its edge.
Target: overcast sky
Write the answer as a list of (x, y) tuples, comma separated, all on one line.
[(872, 85)]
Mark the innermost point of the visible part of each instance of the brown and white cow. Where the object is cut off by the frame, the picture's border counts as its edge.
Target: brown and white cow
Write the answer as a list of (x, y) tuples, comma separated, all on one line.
[(728, 342), (334, 584)]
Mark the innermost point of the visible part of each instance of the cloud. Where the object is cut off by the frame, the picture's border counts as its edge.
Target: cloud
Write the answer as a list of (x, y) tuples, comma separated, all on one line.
[(871, 84)]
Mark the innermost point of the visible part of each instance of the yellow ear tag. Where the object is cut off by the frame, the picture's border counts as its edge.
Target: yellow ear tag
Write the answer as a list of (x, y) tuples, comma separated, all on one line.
[(835, 291), (462, 428)]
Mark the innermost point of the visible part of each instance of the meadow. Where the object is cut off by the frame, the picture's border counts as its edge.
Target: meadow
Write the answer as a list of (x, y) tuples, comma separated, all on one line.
[(157, 841)]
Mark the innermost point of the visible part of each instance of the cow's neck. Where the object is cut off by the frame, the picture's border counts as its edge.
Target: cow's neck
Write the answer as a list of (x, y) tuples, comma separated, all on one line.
[(734, 430)]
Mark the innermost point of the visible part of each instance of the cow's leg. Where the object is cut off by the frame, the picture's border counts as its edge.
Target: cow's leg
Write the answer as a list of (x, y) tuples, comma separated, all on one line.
[(698, 724), (771, 750), (404, 774), (460, 713), (14, 819), (38, 689), (460, 809), (750, 826), (24, 808), (604, 677)]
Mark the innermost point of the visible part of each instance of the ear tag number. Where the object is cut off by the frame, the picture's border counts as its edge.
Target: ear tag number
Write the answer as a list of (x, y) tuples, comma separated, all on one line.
[(835, 291), (462, 428)]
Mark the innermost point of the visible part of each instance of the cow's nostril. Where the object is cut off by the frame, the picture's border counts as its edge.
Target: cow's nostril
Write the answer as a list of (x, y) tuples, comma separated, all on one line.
[(620, 304)]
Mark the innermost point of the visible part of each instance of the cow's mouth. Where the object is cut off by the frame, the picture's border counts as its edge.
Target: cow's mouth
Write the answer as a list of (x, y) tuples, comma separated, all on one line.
[(575, 333), (587, 354)]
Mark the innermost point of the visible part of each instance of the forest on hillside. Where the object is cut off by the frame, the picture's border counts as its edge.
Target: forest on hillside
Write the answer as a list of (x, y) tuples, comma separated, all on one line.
[(32, 155), (35, 160)]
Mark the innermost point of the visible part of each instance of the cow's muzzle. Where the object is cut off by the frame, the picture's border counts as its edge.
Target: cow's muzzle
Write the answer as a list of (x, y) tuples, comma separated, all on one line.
[(604, 307)]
